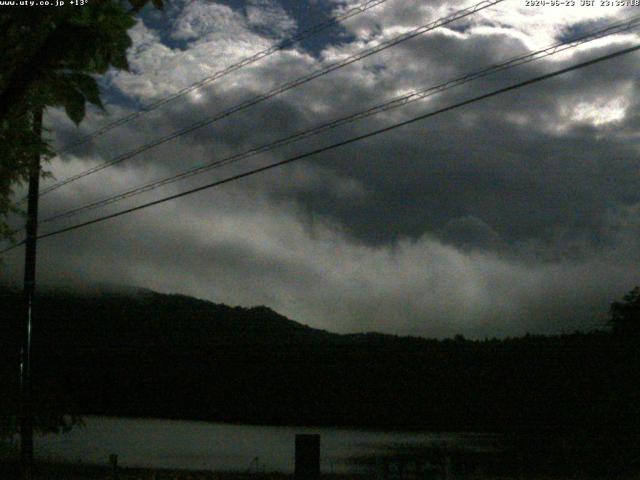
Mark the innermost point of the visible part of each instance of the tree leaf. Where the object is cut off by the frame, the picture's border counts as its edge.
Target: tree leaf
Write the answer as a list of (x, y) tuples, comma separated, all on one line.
[(74, 105), (89, 88), (119, 60), (137, 5)]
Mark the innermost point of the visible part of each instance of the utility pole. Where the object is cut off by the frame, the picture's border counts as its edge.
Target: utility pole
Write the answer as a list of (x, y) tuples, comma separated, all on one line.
[(26, 402)]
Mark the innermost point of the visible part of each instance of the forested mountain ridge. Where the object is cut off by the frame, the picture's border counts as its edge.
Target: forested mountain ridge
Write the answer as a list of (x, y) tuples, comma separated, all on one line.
[(148, 354)]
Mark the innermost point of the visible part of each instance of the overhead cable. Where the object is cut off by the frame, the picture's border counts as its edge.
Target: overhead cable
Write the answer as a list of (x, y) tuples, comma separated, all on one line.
[(277, 91), (392, 104), (342, 143), (286, 43)]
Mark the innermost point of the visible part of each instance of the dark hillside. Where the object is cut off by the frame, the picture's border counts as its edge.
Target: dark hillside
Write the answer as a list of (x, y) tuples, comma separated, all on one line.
[(147, 354)]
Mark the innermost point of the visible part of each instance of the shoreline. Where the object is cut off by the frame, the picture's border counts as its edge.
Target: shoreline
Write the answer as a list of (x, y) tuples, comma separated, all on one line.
[(62, 471), (68, 471)]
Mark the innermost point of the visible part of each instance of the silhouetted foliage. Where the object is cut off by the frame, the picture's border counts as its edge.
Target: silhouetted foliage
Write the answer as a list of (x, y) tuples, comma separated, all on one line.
[(147, 354), (49, 57), (625, 315), (52, 411)]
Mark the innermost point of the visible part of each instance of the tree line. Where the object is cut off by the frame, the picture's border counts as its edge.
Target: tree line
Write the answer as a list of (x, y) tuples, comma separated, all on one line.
[(169, 356)]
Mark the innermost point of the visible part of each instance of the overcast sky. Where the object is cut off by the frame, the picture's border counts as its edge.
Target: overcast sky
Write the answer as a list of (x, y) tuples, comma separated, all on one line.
[(517, 214)]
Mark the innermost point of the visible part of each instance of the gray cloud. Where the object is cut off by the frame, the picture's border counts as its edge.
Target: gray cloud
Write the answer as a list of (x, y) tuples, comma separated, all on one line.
[(515, 214)]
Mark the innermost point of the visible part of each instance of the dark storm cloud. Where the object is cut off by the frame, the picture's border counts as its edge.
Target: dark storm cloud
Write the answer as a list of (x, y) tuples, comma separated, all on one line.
[(519, 213), (524, 179)]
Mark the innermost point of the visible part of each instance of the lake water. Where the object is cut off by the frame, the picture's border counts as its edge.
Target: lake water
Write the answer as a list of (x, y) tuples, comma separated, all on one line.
[(225, 447)]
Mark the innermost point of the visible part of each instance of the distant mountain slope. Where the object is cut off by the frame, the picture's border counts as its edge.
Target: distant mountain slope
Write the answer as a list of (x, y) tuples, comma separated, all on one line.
[(149, 354), (143, 319)]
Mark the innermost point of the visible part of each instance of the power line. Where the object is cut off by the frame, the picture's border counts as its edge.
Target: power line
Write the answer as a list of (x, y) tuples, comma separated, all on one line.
[(344, 142), (281, 89), (384, 107), (287, 42), (11, 247)]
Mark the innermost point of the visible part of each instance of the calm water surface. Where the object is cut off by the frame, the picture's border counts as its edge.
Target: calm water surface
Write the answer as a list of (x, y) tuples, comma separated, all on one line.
[(217, 446)]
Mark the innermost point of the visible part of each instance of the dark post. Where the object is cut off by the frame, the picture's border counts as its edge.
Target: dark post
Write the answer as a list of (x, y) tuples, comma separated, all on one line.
[(113, 463), (307, 457), (26, 404)]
